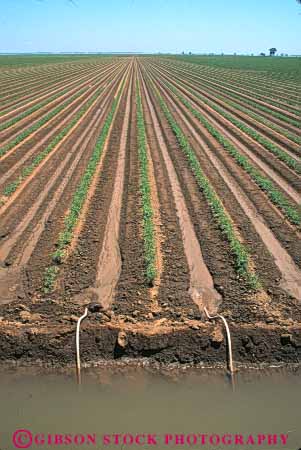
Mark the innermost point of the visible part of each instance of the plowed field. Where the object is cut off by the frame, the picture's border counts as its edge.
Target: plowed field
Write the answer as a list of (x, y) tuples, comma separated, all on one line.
[(149, 188)]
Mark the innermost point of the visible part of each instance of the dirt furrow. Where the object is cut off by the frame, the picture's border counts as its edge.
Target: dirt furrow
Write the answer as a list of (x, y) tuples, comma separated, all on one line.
[(9, 243), (287, 181), (251, 148), (283, 185), (283, 91), (278, 304), (15, 168), (13, 132), (21, 103), (18, 208), (282, 230), (215, 248), (61, 80), (13, 87), (292, 148), (124, 79), (78, 84), (109, 262), (32, 144), (201, 283), (291, 274), (132, 294), (220, 91), (100, 199), (24, 255), (172, 293), (93, 234), (27, 239), (220, 86), (282, 105)]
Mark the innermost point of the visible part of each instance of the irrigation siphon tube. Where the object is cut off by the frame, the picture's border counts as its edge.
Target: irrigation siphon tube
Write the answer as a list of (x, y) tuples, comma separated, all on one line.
[(230, 359), (77, 345)]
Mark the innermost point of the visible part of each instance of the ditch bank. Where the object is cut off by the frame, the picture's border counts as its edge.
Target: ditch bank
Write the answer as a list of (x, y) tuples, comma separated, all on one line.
[(45, 334)]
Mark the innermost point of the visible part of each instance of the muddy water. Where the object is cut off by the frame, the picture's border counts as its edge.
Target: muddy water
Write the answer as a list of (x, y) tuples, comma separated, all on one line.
[(136, 401)]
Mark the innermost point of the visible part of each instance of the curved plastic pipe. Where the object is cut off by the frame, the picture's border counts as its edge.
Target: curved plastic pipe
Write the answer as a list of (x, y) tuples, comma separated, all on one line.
[(230, 359), (77, 345)]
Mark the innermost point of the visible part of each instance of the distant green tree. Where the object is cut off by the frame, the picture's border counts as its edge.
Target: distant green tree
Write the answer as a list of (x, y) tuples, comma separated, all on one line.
[(272, 51)]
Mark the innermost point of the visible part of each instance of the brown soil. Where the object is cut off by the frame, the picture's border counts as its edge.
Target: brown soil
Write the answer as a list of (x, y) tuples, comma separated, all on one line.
[(253, 94), (283, 230), (28, 202), (33, 93), (218, 89), (201, 288), (34, 117), (54, 88), (171, 342), (42, 76), (16, 168), (66, 171), (173, 292), (225, 87), (80, 269), (271, 134), (109, 262), (105, 264), (58, 117), (256, 152)]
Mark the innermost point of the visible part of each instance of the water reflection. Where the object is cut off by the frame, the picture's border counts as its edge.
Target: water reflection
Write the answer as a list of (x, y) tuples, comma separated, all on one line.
[(140, 400)]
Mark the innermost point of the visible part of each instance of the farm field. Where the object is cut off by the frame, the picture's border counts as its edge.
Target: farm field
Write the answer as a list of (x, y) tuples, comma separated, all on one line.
[(154, 186)]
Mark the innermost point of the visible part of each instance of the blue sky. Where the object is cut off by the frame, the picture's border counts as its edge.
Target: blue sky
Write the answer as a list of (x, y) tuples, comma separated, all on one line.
[(227, 26)]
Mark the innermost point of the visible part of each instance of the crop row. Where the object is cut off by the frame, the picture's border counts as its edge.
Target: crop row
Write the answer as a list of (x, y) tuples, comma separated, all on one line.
[(27, 99), (26, 171), (40, 76), (24, 134), (242, 97), (145, 191), (36, 107), (289, 210), (78, 200), (47, 77), (278, 152), (271, 78), (238, 249), (266, 109), (260, 119), (274, 91), (31, 87), (250, 113), (243, 85), (53, 86), (42, 87), (246, 83)]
